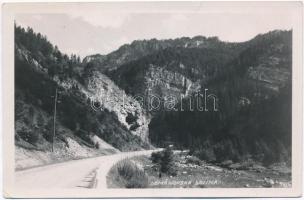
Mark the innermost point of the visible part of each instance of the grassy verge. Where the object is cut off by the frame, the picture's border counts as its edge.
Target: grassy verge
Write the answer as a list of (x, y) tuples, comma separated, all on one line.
[(127, 174), (191, 172)]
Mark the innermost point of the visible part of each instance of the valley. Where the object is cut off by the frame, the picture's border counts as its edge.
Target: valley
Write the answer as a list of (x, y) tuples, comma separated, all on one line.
[(143, 96)]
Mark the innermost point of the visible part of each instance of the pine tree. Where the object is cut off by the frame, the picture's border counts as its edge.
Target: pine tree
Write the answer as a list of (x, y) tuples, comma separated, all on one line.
[(166, 164)]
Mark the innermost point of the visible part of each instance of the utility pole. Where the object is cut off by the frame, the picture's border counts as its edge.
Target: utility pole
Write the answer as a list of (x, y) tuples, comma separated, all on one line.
[(54, 131)]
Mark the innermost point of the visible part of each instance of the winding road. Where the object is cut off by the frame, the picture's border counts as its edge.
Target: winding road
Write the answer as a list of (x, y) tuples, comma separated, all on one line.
[(85, 173)]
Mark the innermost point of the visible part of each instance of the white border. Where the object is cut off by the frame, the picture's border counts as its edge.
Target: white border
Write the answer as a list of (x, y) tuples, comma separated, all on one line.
[(9, 10)]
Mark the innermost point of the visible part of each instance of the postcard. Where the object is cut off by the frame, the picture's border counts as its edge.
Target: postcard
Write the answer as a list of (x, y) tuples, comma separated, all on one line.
[(152, 99)]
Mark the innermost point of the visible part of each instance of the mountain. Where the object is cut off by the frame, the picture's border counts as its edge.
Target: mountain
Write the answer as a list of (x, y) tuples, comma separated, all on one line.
[(165, 67), (141, 48), (181, 66), (254, 108), (251, 80), (87, 124), (144, 94)]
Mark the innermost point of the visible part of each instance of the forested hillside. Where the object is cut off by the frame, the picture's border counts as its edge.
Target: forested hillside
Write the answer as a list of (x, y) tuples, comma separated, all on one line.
[(40, 69), (254, 108), (252, 82)]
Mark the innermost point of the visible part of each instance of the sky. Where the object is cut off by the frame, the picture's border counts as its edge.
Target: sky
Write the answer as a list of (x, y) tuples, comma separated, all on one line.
[(91, 32)]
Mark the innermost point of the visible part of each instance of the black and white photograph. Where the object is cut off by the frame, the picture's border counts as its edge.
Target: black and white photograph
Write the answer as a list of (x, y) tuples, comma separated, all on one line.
[(148, 97)]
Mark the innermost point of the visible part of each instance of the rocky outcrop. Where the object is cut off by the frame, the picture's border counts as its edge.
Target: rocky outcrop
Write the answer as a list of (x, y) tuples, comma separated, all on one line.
[(103, 93), (119, 123), (169, 82)]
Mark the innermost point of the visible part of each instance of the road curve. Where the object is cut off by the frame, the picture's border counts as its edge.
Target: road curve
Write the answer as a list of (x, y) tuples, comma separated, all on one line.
[(85, 173)]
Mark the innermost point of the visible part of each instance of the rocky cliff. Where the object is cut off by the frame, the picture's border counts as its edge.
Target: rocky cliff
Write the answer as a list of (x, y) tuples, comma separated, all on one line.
[(82, 128)]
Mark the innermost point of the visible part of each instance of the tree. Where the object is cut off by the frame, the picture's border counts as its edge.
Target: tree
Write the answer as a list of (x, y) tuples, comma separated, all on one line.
[(166, 163), (40, 120)]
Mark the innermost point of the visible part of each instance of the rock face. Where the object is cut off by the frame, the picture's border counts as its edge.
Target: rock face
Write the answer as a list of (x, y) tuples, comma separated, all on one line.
[(166, 86), (271, 68), (105, 94), (119, 123), (157, 85), (169, 82)]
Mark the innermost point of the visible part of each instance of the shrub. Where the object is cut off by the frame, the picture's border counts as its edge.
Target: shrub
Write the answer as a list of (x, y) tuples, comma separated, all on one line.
[(194, 160), (40, 120), (31, 137), (156, 157), (165, 161), (245, 165), (48, 133), (206, 154), (269, 158), (129, 175)]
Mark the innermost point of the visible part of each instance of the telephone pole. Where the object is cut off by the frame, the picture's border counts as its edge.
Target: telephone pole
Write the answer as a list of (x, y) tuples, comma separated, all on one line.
[(54, 130)]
